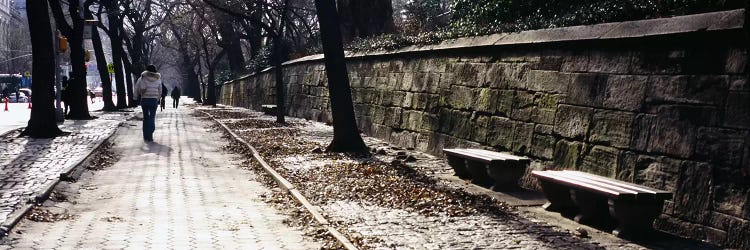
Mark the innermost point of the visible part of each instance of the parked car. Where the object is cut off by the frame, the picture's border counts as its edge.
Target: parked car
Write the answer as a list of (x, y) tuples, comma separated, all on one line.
[(25, 91), (20, 98)]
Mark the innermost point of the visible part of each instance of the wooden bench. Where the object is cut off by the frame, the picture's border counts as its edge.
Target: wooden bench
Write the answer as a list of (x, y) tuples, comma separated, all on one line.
[(595, 200), (500, 171), (268, 109)]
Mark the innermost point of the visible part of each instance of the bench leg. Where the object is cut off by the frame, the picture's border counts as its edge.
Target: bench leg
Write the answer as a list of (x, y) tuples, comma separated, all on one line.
[(478, 173), (459, 167), (506, 175), (558, 197), (635, 219), (593, 208)]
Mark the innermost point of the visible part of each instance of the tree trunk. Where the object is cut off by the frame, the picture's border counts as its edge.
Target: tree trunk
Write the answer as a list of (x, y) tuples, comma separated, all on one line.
[(346, 136), (117, 52), (232, 45), (279, 72), (42, 123), (129, 73), (365, 18), (211, 88), (101, 65), (79, 106)]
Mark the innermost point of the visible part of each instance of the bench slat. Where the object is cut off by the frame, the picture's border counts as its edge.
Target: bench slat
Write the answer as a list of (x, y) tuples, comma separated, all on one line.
[(462, 153), (631, 186), (557, 177), (501, 155), (483, 155)]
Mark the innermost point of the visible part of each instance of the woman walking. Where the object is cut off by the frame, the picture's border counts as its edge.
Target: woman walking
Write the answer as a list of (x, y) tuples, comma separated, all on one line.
[(148, 89)]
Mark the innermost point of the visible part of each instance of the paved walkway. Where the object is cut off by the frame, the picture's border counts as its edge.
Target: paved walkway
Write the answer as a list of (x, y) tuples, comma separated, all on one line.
[(180, 192), (28, 165)]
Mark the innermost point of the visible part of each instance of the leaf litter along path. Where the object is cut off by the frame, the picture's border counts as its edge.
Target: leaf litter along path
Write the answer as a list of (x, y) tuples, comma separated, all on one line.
[(182, 192), (391, 199)]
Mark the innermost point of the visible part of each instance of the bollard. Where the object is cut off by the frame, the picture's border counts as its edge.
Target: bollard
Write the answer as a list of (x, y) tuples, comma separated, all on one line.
[(6, 104), (29, 104)]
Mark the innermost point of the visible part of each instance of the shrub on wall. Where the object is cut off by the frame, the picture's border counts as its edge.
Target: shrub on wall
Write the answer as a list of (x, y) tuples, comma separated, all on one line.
[(482, 17)]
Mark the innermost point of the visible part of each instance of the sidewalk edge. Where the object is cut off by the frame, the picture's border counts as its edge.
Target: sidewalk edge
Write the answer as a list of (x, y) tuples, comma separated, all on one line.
[(289, 188), (16, 217)]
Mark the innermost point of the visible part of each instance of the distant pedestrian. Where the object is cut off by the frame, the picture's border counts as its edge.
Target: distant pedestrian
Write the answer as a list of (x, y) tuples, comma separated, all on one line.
[(164, 92), (148, 90), (92, 96), (176, 97), (65, 94)]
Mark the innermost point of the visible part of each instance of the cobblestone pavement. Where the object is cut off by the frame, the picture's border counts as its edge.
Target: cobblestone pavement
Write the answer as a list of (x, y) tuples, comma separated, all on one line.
[(179, 192), (28, 165)]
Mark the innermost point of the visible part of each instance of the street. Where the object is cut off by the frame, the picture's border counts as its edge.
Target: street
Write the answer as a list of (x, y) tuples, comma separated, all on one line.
[(18, 114)]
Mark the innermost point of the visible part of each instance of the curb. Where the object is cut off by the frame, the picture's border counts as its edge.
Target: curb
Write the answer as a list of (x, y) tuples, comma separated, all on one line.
[(289, 188), (15, 217), (11, 131)]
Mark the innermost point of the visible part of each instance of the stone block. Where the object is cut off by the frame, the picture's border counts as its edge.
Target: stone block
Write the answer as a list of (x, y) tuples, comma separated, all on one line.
[(600, 160), (446, 80), (419, 82), (573, 121), (551, 62), (470, 74), (567, 154), (523, 106), (397, 98), (500, 133), (494, 76), (547, 81), (587, 89), (578, 61), (419, 101), (614, 62), (625, 170), (412, 120), (378, 114), (675, 129), (693, 194), (624, 92), (394, 81), (408, 99), (545, 108), (504, 102), (736, 61), (514, 75), (424, 142), (543, 129), (407, 82), (393, 117), (721, 146), (728, 199), (612, 128), (486, 101), (642, 128), (462, 125), (702, 89), (522, 134), (739, 83), (404, 138), (542, 146), (462, 97), (430, 122), (738, 110), (481, 129), (715, 236), (738, 235)]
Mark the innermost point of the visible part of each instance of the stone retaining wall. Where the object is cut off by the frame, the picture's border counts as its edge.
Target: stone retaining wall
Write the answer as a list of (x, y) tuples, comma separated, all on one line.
[(663, 103)]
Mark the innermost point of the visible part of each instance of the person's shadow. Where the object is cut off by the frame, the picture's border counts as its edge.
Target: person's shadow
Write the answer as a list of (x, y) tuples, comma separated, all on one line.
[(156, 148)]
